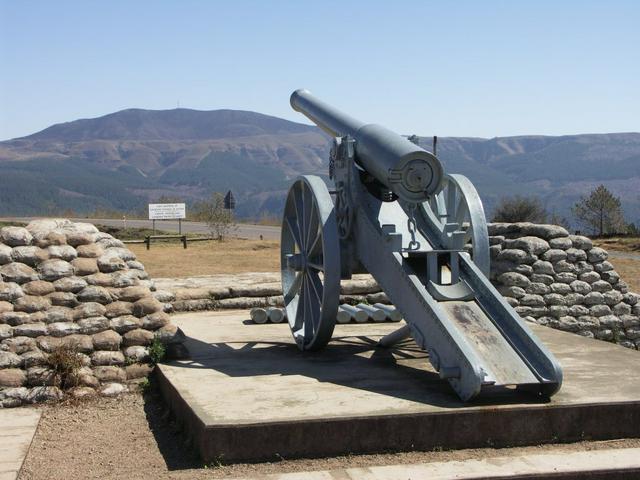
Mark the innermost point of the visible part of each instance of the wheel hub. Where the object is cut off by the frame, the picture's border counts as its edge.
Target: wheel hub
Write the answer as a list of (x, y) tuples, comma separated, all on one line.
[(297, 262)]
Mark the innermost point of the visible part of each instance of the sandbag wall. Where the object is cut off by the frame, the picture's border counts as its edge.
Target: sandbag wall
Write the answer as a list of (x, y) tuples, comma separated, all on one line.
[(563, 281), (68, 287)]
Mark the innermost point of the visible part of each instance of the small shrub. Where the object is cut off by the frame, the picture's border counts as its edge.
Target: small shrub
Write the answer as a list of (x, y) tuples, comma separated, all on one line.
[(157, 351), (519, 209), (144, 385), (65, 362)]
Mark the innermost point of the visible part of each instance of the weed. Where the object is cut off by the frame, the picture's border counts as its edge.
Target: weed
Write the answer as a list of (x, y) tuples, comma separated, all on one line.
[(616, 335), (217, 462), (157, 351), (64, 361), (144, 385)]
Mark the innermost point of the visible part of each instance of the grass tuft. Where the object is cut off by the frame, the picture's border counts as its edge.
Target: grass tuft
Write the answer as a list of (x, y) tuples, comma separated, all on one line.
[(65, 362)]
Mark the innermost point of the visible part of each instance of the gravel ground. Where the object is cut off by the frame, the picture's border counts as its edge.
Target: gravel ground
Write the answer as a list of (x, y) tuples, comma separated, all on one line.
[(134, 437)]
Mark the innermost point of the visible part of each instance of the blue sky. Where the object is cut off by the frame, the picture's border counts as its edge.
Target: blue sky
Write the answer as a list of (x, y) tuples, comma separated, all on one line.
[(447, 68)]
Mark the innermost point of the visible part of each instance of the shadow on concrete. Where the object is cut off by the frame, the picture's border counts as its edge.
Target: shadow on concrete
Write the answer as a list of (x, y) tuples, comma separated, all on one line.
[(357, 362), (173, 443)]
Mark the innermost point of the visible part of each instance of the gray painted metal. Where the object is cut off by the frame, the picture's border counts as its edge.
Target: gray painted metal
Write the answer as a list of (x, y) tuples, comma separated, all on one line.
[(374, 314), (259, 315), (310, 262), (276, 315), (392, 313), (457, 215), (356, 314), (343, 316), (428, 250), (395, 337), (408, 170)]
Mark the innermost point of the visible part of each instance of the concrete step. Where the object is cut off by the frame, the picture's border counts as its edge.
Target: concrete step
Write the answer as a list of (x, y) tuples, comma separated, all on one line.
[(621, 463), (248, 394)]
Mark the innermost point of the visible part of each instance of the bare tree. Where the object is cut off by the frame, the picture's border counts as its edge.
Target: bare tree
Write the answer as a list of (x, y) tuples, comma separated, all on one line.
[(601, 212), (219, 220), (519, 209)]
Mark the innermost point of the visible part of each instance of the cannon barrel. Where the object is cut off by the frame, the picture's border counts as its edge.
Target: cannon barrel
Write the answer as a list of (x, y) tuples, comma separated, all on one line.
[(409, 171)]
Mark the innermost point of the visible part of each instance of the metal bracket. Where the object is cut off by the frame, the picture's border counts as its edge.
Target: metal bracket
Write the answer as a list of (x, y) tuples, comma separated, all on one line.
[(455, 288), (340, 169)]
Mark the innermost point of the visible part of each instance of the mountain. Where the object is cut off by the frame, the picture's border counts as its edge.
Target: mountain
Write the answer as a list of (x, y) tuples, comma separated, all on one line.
[(123, 160), (559, 169)]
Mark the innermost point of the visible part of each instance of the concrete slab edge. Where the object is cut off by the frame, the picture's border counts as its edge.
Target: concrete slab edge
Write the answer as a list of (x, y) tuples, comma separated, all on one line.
[(480, 428), (600, 464)]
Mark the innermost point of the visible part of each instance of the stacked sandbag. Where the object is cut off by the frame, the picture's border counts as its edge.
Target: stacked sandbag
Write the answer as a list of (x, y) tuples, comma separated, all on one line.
[(563, 281), (67, 286)]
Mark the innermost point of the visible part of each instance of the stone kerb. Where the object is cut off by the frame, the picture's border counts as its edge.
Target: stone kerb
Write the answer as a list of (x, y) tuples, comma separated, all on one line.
[(249, 290), (563, 281), (67, 286)]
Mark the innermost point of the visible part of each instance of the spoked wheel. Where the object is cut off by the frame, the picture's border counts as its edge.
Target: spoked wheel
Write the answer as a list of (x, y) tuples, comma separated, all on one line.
[(310, 262), (457, 213)]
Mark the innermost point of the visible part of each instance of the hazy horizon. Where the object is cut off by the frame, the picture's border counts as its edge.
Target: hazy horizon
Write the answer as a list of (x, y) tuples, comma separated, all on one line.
[(303, 120)]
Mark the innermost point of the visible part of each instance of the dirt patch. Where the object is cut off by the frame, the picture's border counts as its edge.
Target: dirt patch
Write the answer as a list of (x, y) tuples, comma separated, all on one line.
[(209, 258), (134, 437)]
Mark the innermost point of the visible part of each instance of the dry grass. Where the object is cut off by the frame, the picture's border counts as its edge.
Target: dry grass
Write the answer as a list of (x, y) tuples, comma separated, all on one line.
[(629, 271), (208, 258), (627, 268), (619, 244)]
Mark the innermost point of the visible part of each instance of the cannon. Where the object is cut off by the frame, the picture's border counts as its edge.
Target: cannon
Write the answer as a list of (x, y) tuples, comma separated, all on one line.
[(422, 235)]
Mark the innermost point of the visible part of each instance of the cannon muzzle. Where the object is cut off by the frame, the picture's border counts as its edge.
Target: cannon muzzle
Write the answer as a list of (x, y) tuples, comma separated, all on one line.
[(409, 171)]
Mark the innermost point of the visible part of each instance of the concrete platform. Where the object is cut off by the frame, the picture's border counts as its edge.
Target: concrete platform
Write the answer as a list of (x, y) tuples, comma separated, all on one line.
[(248, 394), (17, 428)]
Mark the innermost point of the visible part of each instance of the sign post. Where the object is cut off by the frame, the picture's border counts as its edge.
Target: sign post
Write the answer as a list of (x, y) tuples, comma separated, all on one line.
[(229, 201), (167, 211)]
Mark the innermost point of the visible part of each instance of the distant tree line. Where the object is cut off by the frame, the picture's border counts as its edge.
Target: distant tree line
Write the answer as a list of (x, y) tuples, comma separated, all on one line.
[(600, 212)]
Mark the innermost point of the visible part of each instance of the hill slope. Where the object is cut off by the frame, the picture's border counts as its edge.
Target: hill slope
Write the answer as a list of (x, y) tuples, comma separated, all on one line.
[(557, 169), (123, 160)]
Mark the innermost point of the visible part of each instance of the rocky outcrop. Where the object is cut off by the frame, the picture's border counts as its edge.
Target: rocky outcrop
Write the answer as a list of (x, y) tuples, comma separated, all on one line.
[(74, 298)]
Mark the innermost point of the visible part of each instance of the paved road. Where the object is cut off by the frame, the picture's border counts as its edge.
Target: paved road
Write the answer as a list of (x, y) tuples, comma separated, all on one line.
[(245, 230)]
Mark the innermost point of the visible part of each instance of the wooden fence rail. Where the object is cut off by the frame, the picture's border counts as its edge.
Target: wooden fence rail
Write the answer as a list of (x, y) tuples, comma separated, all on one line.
[(183, 238)]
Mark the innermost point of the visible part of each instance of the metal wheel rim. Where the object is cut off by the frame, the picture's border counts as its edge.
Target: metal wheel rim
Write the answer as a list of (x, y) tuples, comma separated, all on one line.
[(310, 262), (459, 203)]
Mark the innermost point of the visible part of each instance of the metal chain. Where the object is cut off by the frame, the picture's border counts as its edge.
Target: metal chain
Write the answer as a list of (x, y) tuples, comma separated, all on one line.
[(412, 226)]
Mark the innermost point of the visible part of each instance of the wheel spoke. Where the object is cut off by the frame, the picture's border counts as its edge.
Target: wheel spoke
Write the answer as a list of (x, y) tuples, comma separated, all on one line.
[(462, 212), (451, 201), (316, 266), (312, 228), (299, 207), (314, 302), (316, 285), (300, 307), (316, 245), (293, 289), (295, 232), (309, 324)]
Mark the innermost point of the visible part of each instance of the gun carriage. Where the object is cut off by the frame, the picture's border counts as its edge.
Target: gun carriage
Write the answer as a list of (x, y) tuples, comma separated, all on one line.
[(422, 235)]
